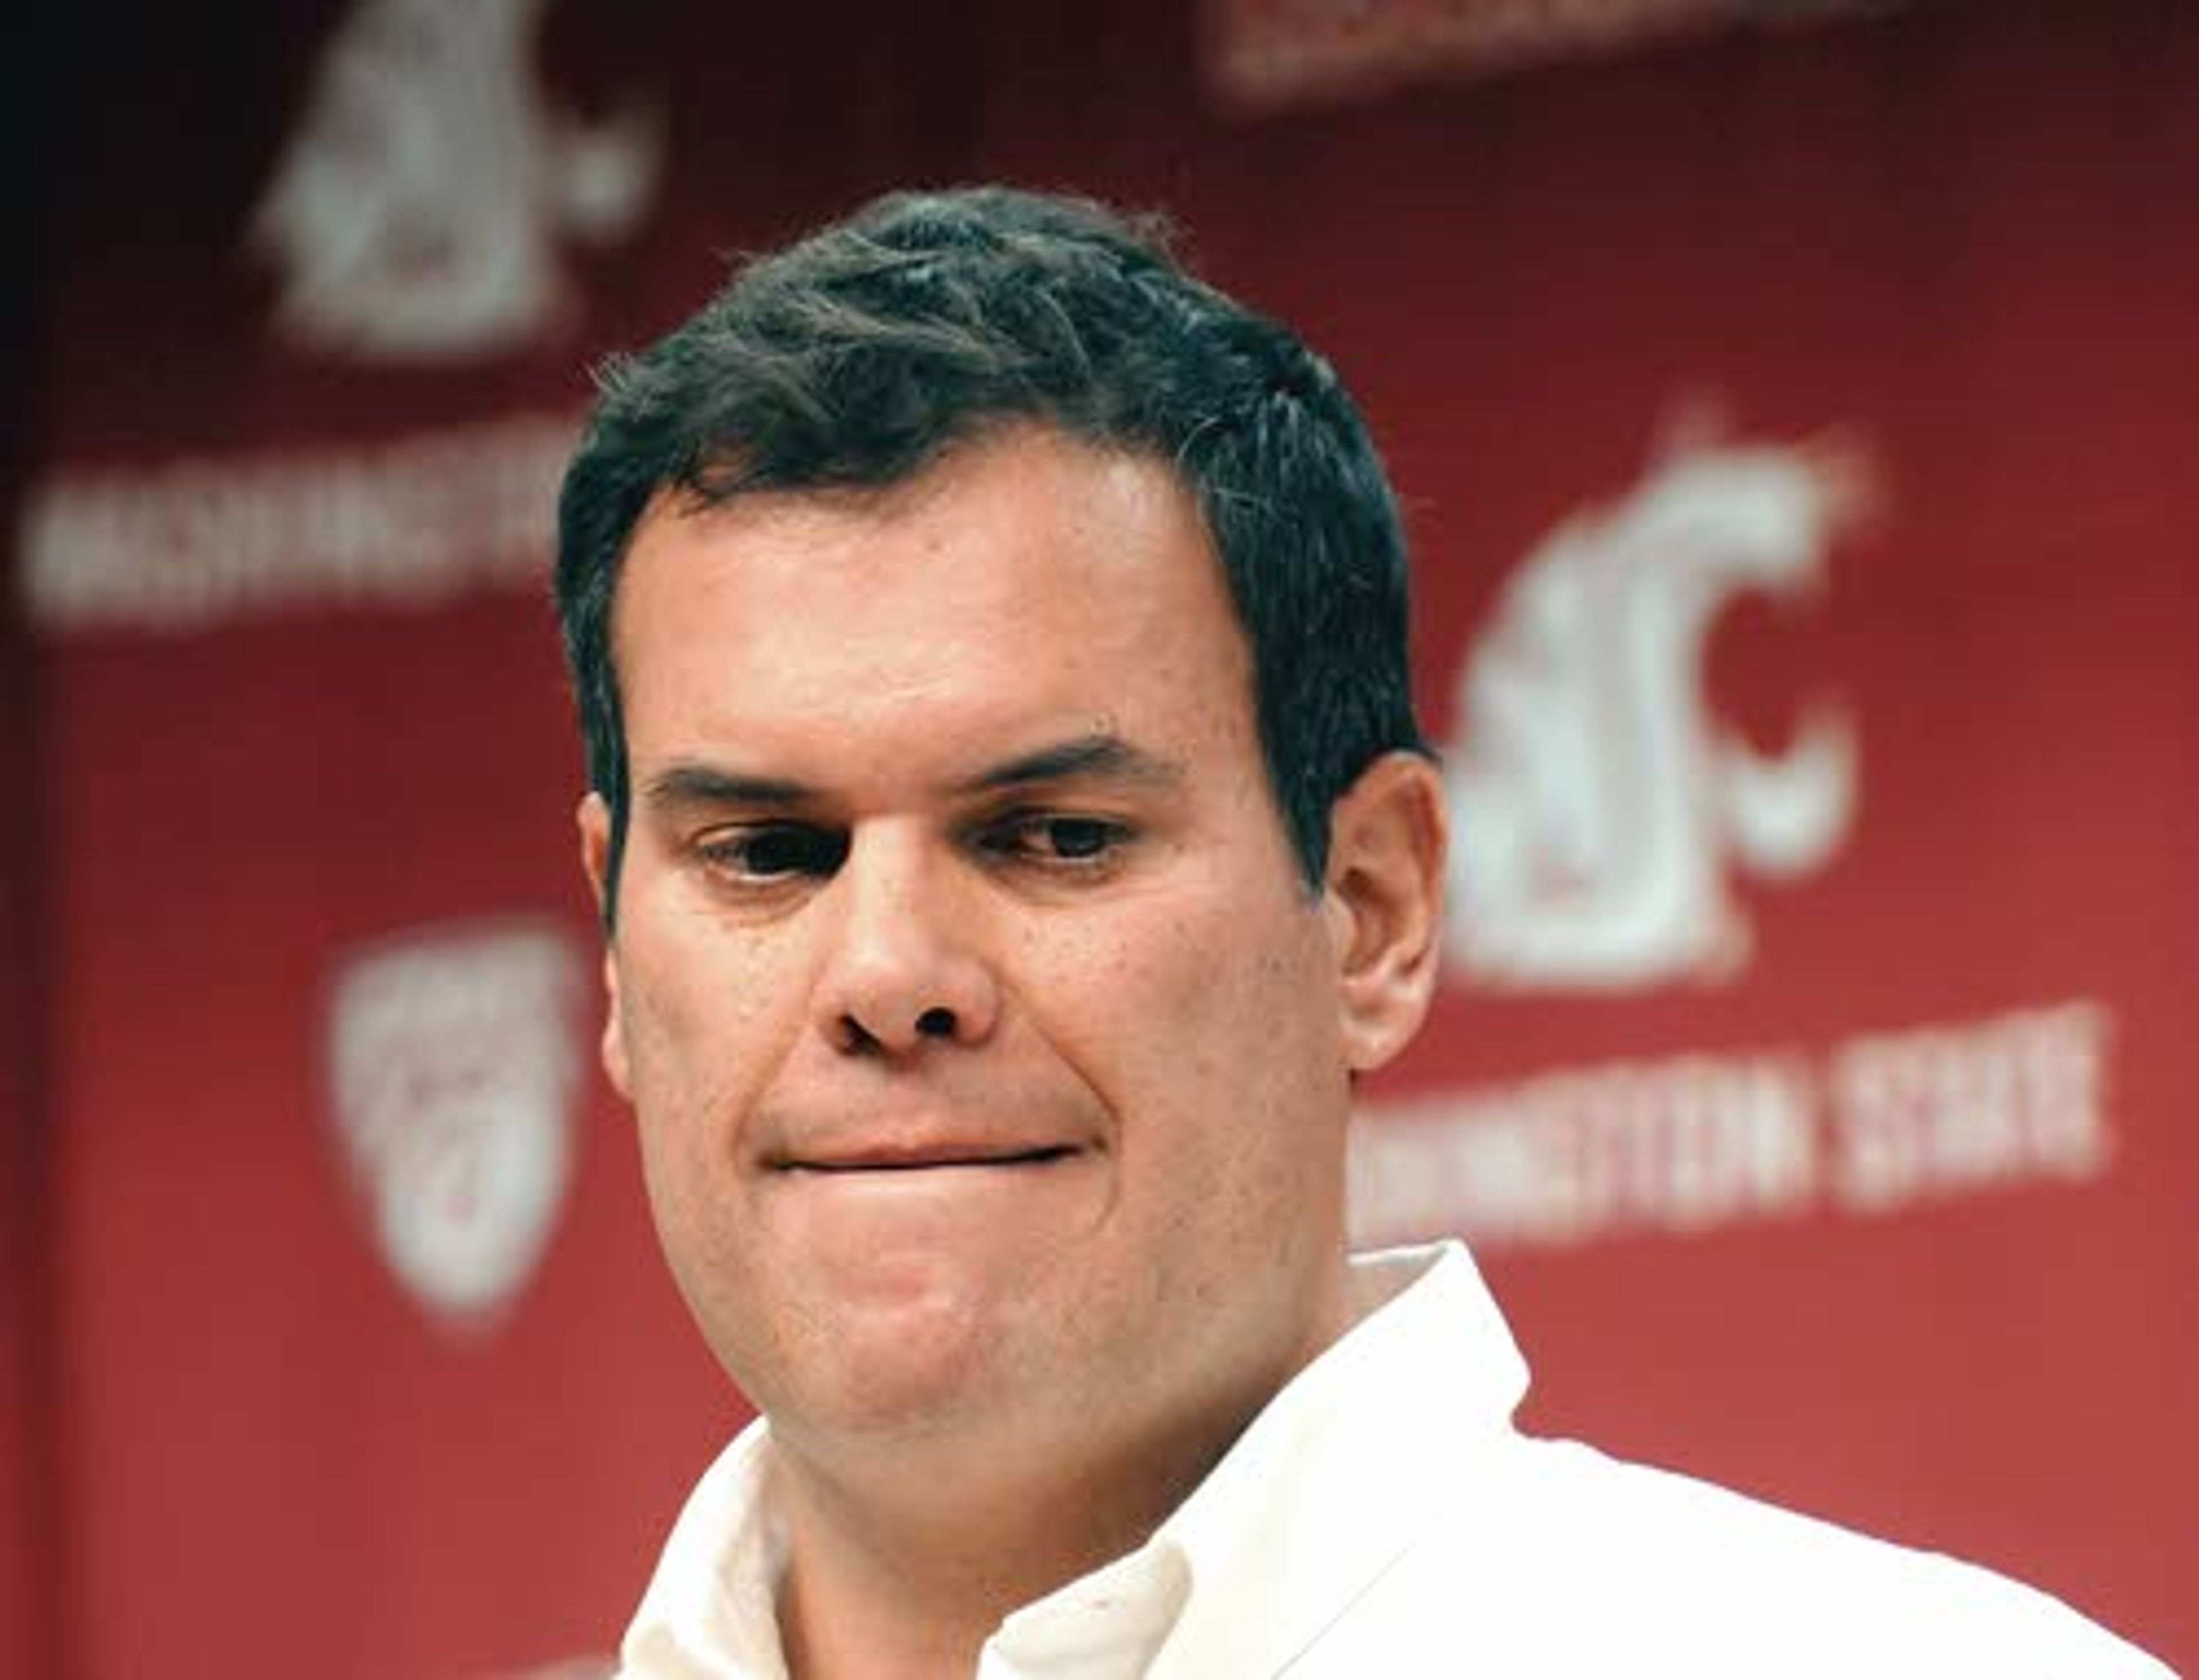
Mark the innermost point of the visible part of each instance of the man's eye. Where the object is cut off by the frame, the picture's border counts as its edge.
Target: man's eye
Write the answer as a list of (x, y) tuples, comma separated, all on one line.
[(1060, 839), (773, 851)]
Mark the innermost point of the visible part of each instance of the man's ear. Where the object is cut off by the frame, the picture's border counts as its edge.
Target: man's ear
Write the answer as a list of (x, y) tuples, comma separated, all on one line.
[(1383, 893), (594, 818)]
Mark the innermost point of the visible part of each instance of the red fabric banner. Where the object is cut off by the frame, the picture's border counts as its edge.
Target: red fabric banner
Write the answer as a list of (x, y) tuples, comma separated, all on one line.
[(1794, 427)]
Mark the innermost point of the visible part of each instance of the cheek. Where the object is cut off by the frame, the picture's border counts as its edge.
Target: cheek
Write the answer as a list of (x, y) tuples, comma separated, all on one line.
[(1213, 1023), (1260, 980), (692, 1047), (702, 1027), (692, 996)]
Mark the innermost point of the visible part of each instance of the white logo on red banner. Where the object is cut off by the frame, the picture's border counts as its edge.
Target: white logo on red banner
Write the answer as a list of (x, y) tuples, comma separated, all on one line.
[(417, 213), (1871, 1125), (1600, 806), (453, 1066)]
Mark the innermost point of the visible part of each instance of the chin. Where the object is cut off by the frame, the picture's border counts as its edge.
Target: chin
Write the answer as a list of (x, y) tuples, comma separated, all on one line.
[(910, 1367)]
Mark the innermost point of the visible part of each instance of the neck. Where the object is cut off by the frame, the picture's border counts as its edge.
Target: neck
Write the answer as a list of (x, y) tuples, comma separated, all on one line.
[(907, 1547), (901, 1565), (904, 1553)]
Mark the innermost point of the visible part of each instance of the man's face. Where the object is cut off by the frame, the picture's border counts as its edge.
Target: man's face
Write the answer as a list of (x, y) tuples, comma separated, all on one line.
[(983, 1035)]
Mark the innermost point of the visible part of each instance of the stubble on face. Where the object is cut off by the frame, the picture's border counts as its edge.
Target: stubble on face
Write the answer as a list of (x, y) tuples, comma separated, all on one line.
[(1109, 1197)]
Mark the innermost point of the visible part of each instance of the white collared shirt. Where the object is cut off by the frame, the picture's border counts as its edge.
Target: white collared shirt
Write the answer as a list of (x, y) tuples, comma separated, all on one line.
[(1382, 1520)]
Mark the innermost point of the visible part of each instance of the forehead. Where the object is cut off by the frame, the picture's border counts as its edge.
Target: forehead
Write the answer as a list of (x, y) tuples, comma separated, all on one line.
[(1026, 572)]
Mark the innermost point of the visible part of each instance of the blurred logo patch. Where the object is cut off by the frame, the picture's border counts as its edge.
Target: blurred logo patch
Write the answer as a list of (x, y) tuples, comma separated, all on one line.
[(453, 1070), (417, 213), (1601, 804)]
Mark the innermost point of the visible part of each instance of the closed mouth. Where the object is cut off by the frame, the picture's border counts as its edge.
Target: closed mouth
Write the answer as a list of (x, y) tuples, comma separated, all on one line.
[(930, 1160)]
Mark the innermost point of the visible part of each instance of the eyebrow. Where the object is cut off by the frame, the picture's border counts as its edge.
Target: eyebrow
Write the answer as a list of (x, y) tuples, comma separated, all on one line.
[(690, 784), (1099, 756)]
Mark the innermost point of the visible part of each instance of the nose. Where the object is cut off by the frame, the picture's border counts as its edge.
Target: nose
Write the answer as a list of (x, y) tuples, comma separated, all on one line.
[(905, 967)]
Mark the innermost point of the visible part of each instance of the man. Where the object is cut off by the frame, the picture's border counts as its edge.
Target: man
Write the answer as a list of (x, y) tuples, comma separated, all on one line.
[(1013, 840)]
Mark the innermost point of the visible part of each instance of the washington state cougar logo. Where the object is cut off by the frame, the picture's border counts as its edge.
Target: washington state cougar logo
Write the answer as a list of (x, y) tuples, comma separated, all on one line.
[(417, 213), (1600, 807), (453, 1070)]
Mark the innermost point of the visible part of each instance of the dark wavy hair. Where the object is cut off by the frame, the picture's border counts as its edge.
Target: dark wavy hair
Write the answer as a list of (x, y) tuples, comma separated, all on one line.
[(856, 356)]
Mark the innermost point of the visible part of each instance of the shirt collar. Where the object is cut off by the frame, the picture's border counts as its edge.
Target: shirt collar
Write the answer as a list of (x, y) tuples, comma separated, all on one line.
[(1326, 1490), (1346, 1468), (711, 1612)]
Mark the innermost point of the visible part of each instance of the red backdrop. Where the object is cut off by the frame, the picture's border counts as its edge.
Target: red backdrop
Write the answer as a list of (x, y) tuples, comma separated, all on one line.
[(1794, 425)]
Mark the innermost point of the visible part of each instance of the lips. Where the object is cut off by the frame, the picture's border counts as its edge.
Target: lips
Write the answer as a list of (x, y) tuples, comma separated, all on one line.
[(887, 1158), (886, 1153)]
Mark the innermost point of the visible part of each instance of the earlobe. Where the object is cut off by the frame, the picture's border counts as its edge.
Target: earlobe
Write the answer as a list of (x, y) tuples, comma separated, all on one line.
[(613, 1048), (594, 821), (1383, 888)]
